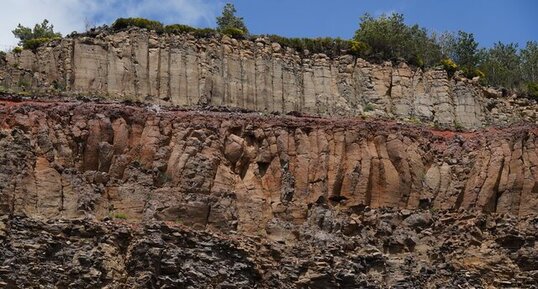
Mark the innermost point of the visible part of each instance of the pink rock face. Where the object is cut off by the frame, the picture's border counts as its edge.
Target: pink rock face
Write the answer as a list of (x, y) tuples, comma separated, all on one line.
[(224, 170)]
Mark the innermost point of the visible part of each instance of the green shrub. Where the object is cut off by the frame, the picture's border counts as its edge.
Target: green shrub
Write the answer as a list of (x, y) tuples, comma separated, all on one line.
[(479, 73), (204, 33), (17, 49), (532, 90), (368, 107), (58, 85), (33, 44), (389, 38), (358, 48), (417, 61), (414, 120), (198, 32), (124, 23), (233, 32), (121, 216), (472, 72), (29, 37), (22, 83), (449, 66), (178, 29), (286, 42), (332, 47)]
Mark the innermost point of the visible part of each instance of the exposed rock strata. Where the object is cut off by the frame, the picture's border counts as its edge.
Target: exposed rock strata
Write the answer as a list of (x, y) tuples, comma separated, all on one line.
[(243, 200), (242, 171), (346, 249), (110, 195), (255, 75)]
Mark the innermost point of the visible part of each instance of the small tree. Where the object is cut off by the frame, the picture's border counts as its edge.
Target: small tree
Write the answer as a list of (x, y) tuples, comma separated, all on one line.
[(41, 33), (466, 50), (529, 62), (529, 68), (501, 65), (388, 37), (462, 48), (229, 22), (385, 36), (447, 43)]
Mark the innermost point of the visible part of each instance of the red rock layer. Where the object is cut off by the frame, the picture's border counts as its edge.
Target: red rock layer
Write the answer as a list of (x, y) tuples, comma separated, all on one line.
[(243, 171)]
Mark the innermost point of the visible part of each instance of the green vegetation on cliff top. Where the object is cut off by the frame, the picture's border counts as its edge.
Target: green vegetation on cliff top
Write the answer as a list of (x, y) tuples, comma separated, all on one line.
[(33, 38), (377, 39)]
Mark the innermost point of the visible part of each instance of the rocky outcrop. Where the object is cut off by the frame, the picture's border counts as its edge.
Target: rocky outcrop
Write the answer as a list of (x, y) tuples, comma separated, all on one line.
[(243, 164), (255, 75), (335, 249), (109, 195), (243, 171)]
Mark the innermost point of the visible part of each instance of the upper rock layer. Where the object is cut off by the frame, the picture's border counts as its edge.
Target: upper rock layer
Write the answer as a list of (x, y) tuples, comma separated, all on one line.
[(254, 75)]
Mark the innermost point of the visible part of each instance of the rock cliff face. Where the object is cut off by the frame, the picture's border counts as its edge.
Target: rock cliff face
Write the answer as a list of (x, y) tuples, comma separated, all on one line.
[(242, 171), (369, 249), (254, 75), (204, 182), (106, 195)]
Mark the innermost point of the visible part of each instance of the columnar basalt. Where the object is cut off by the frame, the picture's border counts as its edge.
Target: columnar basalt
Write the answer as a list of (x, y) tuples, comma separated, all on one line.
[(243, 171), (141, 160), (255, 75), (111, 196)]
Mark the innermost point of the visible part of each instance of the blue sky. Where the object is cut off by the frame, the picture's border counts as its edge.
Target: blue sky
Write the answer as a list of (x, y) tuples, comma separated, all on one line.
[(490, 20)]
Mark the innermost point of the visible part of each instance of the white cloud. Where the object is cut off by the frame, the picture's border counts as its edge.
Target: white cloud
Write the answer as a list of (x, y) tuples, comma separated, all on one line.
[(71, 15), (379, 13)]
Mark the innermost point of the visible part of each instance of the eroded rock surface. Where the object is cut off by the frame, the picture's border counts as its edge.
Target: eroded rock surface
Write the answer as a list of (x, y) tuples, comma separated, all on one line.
[(346, 249), (243, 170), (255, 75), (109, 195)]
